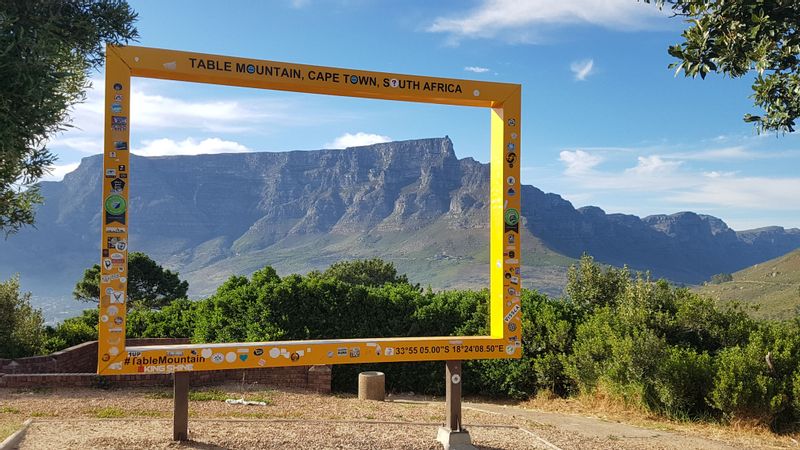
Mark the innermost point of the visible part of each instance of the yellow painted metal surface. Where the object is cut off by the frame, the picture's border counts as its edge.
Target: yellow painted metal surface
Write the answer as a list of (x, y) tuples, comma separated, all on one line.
[(503, 99)]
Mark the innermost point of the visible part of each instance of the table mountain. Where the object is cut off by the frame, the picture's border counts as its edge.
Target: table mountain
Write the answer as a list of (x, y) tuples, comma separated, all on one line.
[(411, 202)]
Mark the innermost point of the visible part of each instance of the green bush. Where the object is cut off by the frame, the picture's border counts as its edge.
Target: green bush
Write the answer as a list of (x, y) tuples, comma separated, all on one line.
[(756, 381), (21, 325), (72, 331), (683, 382)]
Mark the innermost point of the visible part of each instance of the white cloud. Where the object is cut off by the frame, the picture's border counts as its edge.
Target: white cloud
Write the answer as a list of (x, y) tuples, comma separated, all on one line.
[(357, 140), (582, 69), (653, 165), (150, 111), (58, 171), (297, 4), (579, 161), (189, 146), (658, 182), (476, 69), (519, 17), (743, 192)]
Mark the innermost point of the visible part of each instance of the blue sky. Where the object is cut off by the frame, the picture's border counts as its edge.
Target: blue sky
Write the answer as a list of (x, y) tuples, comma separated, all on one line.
[(605, 122)]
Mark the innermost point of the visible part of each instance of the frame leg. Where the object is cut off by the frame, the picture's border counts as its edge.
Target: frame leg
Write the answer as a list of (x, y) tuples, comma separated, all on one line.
[(453, 395), (452, 435), (180, 415)]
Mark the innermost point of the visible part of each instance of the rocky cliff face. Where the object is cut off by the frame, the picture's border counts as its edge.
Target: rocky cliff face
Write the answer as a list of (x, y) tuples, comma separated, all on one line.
[(412, 202)]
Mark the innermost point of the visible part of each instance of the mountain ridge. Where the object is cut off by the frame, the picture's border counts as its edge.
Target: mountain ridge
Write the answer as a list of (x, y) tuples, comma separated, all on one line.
[(414, 202)]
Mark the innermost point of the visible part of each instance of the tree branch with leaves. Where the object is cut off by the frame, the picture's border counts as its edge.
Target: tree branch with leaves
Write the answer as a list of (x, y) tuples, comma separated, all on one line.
[(740, 37)]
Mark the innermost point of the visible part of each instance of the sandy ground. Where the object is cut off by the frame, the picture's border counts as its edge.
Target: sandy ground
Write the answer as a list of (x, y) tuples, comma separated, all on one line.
[(89, 418)]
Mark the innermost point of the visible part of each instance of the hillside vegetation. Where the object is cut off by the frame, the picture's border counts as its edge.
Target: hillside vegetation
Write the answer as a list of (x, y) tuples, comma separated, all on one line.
[(651, 344), (772, 287)]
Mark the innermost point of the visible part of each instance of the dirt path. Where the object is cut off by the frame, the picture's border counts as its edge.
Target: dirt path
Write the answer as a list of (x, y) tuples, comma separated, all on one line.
[(86, 418), (591, 427)]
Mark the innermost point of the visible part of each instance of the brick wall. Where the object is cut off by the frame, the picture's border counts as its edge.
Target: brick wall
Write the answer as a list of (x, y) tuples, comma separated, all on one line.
[(81, 358), (76, 366)]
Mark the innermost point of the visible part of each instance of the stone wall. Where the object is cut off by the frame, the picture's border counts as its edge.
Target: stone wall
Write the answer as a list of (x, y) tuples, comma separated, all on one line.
[(76, 366)]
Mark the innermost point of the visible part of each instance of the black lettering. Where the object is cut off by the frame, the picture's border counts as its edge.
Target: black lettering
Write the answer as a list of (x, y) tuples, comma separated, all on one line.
[(193, 61)]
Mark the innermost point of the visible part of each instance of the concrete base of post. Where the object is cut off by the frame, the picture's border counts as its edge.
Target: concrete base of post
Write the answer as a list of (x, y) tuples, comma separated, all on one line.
[(455, 440)]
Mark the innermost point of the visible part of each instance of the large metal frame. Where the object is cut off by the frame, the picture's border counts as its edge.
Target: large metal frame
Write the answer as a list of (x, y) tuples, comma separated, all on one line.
[(503, 99)]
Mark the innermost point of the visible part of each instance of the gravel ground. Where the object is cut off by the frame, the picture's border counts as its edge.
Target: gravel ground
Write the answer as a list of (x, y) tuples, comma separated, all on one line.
[(89, 418)]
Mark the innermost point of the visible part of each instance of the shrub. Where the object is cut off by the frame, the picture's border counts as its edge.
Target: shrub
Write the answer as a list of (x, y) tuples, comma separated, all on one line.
[(755, 381)]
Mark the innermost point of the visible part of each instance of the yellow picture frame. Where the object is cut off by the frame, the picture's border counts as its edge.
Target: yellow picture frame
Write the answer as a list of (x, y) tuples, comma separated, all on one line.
[(504, 102)]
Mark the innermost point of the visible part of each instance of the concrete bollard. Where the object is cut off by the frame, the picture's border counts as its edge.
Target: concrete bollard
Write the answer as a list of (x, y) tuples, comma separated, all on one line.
[(372, 386)]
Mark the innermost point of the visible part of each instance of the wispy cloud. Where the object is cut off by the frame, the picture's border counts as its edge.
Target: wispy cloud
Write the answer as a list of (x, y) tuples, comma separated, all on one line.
[(297, 4), (579, 161), (476, 69), (512, 18), (653, 165), (582, 69), (165, 146), (668, 181), (357, 140)]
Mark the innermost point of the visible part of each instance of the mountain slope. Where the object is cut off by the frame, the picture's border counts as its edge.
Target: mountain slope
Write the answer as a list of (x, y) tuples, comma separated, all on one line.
[(412, 202), (774, 286)]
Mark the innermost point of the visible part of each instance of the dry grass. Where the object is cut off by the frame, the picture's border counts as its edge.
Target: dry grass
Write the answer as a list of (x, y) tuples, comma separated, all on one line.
[(8, 428), (609, 407)]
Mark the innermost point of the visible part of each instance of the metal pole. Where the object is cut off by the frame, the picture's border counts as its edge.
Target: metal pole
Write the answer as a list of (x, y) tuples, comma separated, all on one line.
[(453, 395), (180, 415)]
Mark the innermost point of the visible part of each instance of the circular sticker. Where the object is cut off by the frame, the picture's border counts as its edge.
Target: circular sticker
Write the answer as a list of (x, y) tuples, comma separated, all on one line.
[(104, 318), (230, 357), (295, 356), (115, 204), (206, 353), (512, 327), (511, 217), (455, 379), (510, 349), (117, 86), (511, 122), (217, 358), (476, 92), (513, 135), (274, 352), (394, 83), (113, 351), (112, 310), (510, 146), (511, 180)]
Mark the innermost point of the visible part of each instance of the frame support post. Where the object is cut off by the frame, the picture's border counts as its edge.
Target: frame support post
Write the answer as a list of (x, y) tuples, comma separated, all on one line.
[(180, 415), (452, 435)]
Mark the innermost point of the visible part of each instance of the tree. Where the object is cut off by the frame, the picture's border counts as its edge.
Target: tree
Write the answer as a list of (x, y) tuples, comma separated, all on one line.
[(368, 272), (47, 48), (21, 325), (149, 285), (738, 37)]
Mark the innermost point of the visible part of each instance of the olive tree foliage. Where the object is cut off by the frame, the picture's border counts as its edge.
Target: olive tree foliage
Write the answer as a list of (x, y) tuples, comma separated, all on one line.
[(47, 50), (739, 37), (21, 325)]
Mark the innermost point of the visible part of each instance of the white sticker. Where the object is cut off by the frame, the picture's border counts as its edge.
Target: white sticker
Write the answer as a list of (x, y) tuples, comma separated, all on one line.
[(206, 353), (456, 378), (230, 357)]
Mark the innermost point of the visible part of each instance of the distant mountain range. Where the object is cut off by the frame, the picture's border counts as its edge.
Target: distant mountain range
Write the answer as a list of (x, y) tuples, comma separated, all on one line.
[(411, 202)]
